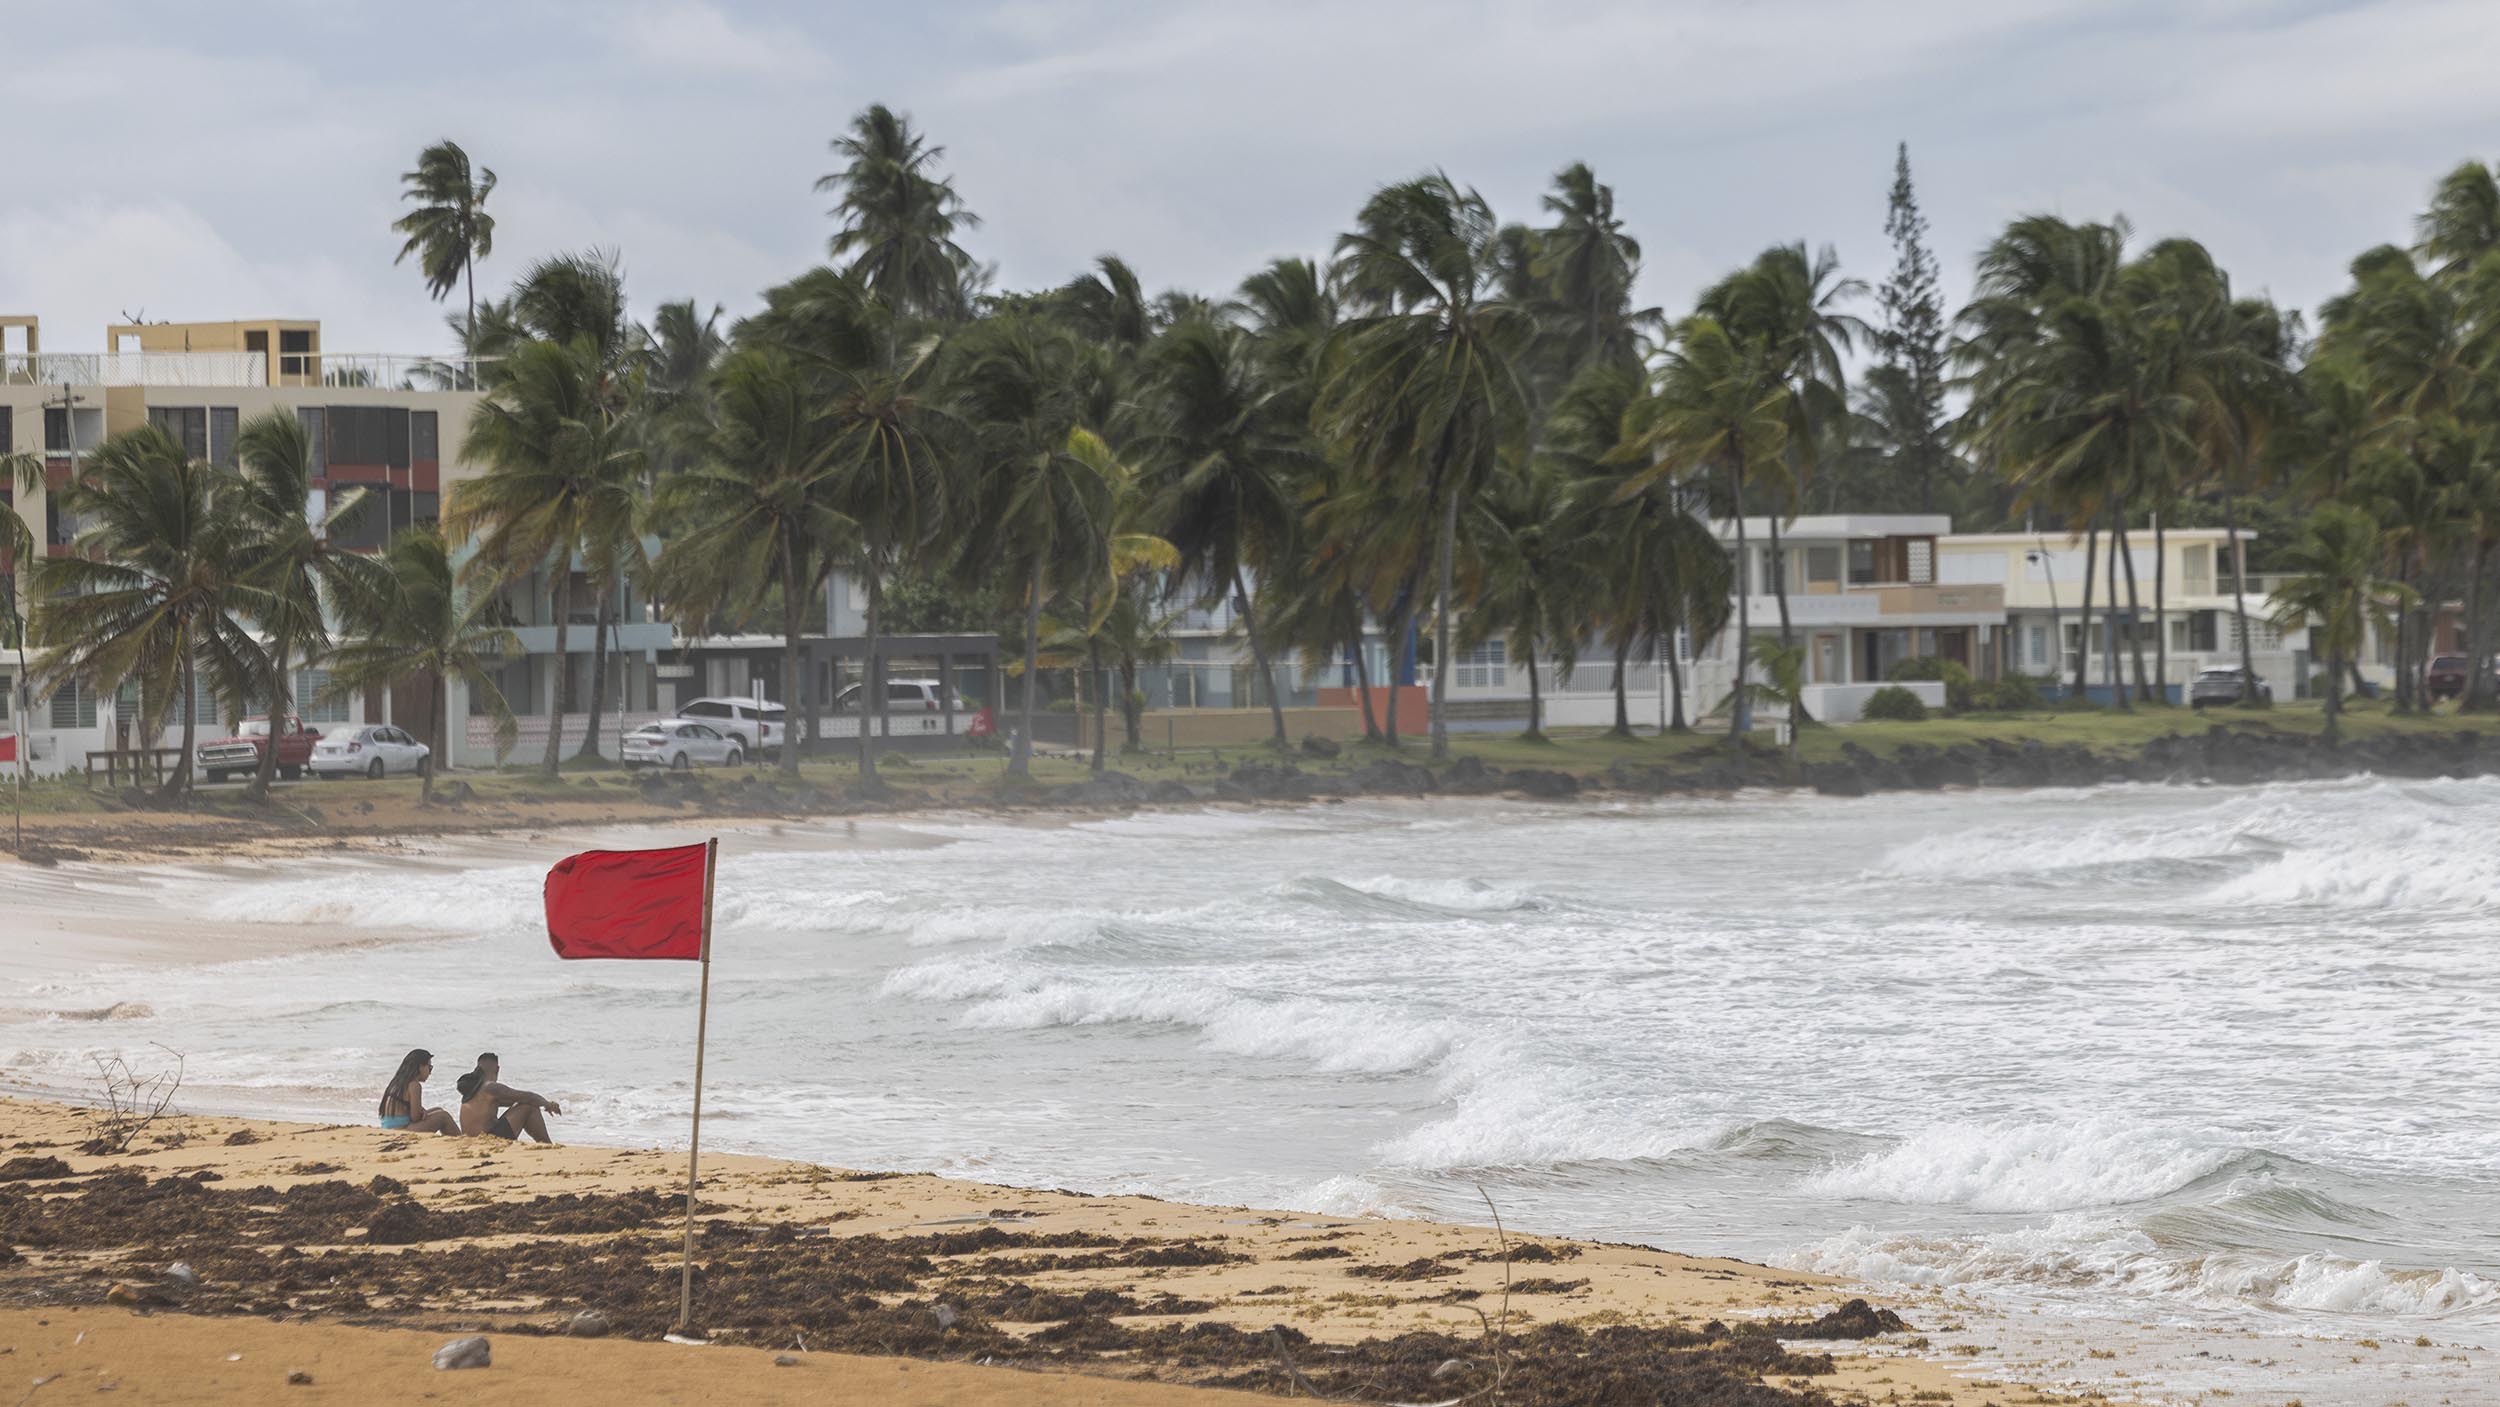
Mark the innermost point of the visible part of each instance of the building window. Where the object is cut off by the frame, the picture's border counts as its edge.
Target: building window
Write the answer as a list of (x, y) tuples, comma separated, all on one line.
[(2039, 644), (8, 437), (55, 430), (2265, 634), (1922, 561), (424, 435), (1862, 562), (368, 436), (1822, 564), (310, 705), (187, 424), (1484, 667), (224, 424), (73, 706), (315, 427)]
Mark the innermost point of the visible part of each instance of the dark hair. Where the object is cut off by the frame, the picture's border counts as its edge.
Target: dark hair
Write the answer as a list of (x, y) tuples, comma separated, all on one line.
[(469, 1082), (409, 1065)]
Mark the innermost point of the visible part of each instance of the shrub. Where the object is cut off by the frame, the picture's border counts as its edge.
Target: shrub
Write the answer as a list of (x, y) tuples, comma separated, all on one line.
[(1894, 704), (2015, 693), (1956, 679)]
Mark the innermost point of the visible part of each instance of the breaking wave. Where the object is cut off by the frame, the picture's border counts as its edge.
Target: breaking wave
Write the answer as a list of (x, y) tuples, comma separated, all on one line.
[(2029, 1167)]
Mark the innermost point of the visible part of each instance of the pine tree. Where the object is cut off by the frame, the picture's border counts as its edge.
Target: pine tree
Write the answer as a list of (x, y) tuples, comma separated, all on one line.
[(1912, 340)]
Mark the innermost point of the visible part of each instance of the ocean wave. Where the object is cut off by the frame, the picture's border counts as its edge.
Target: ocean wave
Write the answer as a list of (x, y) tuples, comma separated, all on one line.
[(1335, 1036), (2099, 1254), (482, 901), (1431, 897), (2028, 1167), (2436, 872)]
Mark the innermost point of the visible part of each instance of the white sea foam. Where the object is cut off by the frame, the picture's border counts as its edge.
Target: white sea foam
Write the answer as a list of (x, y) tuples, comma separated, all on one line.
[(2027, 1167), (1457, 895)]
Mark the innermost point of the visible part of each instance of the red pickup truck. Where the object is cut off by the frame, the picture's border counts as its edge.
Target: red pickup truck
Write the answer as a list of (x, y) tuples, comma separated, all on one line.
[(240, 755)]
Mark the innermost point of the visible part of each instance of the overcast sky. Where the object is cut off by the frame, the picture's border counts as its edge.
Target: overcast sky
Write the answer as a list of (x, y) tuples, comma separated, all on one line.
[(192, 161)]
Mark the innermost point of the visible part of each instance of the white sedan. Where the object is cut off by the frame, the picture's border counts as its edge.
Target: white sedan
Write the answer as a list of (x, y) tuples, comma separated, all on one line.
[(678, 745), (376, 750)]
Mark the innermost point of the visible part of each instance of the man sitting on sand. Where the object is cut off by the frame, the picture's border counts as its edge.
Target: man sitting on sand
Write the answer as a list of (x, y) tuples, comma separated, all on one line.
[(487, 1107)]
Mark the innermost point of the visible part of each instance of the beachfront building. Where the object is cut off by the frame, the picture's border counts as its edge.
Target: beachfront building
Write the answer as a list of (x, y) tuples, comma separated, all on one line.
[(391, 424), (2042, 579)]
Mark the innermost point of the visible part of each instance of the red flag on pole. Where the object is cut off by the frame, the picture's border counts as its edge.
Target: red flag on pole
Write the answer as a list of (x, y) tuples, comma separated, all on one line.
[(8, 747), (628, 903)]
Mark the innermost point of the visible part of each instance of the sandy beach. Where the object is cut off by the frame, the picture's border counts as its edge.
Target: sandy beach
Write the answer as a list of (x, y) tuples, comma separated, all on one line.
[(350, 1254)]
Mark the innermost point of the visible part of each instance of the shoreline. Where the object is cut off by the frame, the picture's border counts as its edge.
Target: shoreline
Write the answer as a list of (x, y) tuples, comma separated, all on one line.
[(339, 1241), (387, 816)]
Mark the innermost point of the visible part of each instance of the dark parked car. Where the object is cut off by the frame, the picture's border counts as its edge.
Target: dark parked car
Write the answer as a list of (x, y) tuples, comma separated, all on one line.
[(2445, 679), (2221, 685)]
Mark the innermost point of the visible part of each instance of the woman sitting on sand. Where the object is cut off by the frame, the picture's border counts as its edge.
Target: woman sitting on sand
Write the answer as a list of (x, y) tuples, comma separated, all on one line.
[(403, 1099)]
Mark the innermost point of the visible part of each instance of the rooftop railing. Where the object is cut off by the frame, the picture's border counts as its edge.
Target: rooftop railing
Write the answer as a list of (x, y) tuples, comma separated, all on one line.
[(385, 371)]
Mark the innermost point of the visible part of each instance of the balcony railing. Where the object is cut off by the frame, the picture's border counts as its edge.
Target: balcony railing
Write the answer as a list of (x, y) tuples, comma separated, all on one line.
[(383, 371)]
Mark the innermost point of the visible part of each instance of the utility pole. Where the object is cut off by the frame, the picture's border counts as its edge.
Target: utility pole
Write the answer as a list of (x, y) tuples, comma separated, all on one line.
[(2057, 633)]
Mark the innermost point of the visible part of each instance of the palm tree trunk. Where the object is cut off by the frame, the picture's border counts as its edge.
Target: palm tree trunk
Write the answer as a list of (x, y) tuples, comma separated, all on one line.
[(1741, 722), (871, 693), (1020, 759), (1258, 653), (1675, 689), (468, 334), (793, 626), (2334, 693), (2135, 612), (441, 740), (2109, 616), (1403, 623), (1779, 583), (564, 663), (2404, 676), (281, 704), (1129, 720), (1536, 698), (2478, 694), (603, 618), (2249, 696), (1102, 703), (2161, 618), (1623, 701), (2083, 615), (1441, 627), (1363, 685), (180, 781)]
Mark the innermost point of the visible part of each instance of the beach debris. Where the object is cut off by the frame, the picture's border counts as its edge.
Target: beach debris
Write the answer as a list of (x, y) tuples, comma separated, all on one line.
[(181, 1273), (241, 1137), (234, 1358), (1448, 1368), (589, 1324), (690, 1340), (8, 1254), (299, 1378), (124, 1292), (401, 1223), (785, 1360), (384, 1185), (32, 1169), (471, 1352), (945, 1315)]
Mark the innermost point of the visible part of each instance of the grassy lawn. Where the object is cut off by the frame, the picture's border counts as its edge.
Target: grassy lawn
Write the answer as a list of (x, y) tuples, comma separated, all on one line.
[(969, 777)]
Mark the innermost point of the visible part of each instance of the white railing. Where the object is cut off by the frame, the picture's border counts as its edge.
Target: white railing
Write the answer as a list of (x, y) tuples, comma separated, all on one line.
[(381, 371), (134, 368)]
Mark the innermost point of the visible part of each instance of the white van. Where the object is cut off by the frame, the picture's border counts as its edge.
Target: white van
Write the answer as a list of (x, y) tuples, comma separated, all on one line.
[(756, 725)]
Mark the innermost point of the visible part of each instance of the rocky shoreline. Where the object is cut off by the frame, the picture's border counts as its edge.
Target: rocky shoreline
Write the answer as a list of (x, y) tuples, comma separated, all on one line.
[(2219, 755)]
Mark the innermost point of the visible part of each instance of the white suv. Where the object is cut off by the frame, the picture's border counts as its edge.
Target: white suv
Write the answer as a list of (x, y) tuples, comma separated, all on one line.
[(758, 726), (901, 696)]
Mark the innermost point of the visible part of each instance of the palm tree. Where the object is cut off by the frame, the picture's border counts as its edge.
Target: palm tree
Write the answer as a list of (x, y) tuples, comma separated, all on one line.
[(680, 349), (1226, 449), (555, 462), (17, 545), (410, 616), (2463, 222), (754, 519), (1783, 670), (1045, 486), (1789, 303), (293, 567), (899, 217), (1537, 580), (449, 231), (1718, 413), (1426, 393), (2336, 587), (152, 596), (1587, 265)]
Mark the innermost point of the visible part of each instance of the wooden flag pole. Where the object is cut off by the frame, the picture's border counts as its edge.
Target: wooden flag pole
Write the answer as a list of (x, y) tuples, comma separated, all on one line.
[(694, 1144)]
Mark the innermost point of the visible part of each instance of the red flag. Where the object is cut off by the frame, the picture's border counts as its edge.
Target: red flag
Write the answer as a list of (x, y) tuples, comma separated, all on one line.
[(627, 904), (8, 748)]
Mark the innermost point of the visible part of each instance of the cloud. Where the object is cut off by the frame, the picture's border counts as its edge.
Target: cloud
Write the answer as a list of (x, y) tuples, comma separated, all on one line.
[(701, 38)]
